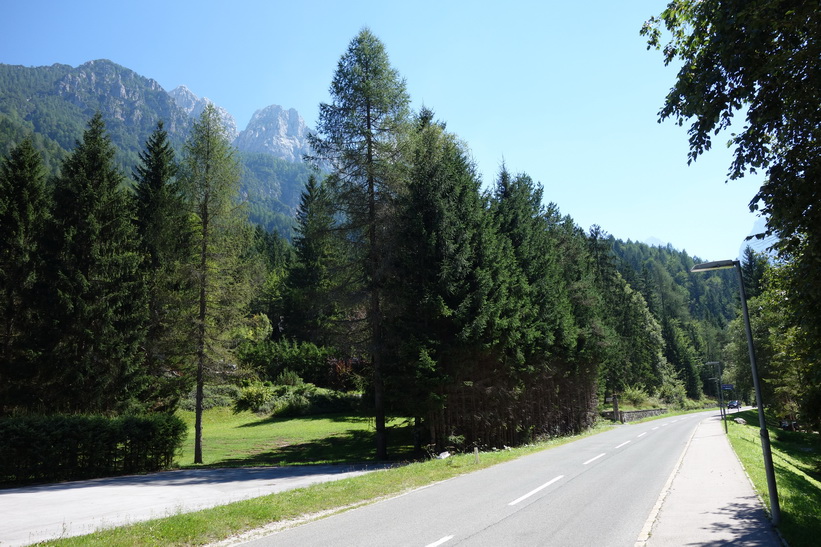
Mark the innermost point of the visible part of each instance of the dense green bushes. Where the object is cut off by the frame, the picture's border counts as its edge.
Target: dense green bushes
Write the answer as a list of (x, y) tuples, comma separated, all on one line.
[(314, 364), (296, 399), (56, 448)]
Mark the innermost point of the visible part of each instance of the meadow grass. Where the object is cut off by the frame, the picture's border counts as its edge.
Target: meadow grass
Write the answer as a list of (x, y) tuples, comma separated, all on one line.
[(797, 464), (247, 439)]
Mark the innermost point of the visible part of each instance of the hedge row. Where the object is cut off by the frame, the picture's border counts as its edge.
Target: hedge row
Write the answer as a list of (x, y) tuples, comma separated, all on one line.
[(58, 448)]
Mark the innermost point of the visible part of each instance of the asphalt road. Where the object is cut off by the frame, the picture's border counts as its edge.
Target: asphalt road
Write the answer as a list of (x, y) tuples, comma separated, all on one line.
[(596, 491), (37, 513)]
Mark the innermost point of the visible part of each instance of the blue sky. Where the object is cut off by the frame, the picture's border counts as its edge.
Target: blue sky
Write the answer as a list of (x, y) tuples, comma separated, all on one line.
[(566, 94)]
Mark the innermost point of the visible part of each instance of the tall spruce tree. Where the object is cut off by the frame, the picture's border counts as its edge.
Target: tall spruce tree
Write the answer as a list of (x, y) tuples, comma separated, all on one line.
[(316, 280), (442, 313), (24, 211), (221, 237), (360, 136), (166, 240), (96, 290), (525, 222), (753, 267)]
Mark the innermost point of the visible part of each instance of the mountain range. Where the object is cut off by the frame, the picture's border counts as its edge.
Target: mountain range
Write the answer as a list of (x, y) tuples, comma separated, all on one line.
[(54, 103)]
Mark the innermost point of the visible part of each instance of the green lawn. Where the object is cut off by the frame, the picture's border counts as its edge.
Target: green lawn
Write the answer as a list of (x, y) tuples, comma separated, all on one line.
[(246, 439), (797, 464)]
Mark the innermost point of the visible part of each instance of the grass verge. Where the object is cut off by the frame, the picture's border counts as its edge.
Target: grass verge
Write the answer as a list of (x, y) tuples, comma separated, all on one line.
[(797, 464), (219, 523)]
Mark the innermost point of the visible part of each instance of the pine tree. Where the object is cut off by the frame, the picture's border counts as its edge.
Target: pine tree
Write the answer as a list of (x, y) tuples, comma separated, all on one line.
[(360, 136), (274, 256), (221, 238), (162, 223), (753, 266), (315, 280), (525, 222), (433, 326), (97, 293), (24, 212)]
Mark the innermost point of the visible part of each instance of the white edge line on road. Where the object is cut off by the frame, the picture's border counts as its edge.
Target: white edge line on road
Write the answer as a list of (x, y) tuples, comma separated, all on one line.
[(642, 434), (440, 542), (644, 536), (622, 444), (591, 460), (542, 487)]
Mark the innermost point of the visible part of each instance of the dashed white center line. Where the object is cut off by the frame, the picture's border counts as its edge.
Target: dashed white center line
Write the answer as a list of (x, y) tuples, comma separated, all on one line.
[(642, 434), (440, 542), (622, 444), (539, 489), (655, 428), (594, 459)]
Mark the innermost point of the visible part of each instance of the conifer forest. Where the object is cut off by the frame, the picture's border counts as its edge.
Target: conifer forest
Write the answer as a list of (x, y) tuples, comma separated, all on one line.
[(473, 309)]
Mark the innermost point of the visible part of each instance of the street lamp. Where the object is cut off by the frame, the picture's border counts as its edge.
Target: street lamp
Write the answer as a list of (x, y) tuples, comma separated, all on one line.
[(765, 436)]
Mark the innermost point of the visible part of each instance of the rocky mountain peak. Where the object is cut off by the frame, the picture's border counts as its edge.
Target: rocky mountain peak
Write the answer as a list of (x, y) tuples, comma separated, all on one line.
[(119, 93), (194, 105), (276, 131)]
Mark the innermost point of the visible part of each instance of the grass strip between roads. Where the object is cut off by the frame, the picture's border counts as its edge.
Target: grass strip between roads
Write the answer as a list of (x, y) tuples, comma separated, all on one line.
[(797, 464), (218, 523)]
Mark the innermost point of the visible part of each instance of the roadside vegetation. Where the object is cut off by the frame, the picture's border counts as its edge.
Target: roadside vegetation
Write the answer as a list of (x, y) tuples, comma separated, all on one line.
[(797, 464)]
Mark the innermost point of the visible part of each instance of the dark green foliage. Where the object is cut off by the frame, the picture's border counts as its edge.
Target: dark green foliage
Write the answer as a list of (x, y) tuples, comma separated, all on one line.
[(633, 345), (58, 448), (314, 364), (25, 208), (95, 290), (273, 256), (166, 239), (442, 315), (274, 250), (273, 187), (693, 310), (753, 266), (317, 282), (478, 354)]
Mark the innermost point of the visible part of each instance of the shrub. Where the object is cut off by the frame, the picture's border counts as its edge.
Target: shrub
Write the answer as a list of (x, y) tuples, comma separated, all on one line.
[(635, 395), (673, 393), (55, 448), (213, 396), (305, 399), (271, 358), (254, 397), (289, 378)]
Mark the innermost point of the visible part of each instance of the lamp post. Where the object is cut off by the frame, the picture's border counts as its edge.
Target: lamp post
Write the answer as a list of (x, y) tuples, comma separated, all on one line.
[(775, 508)]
